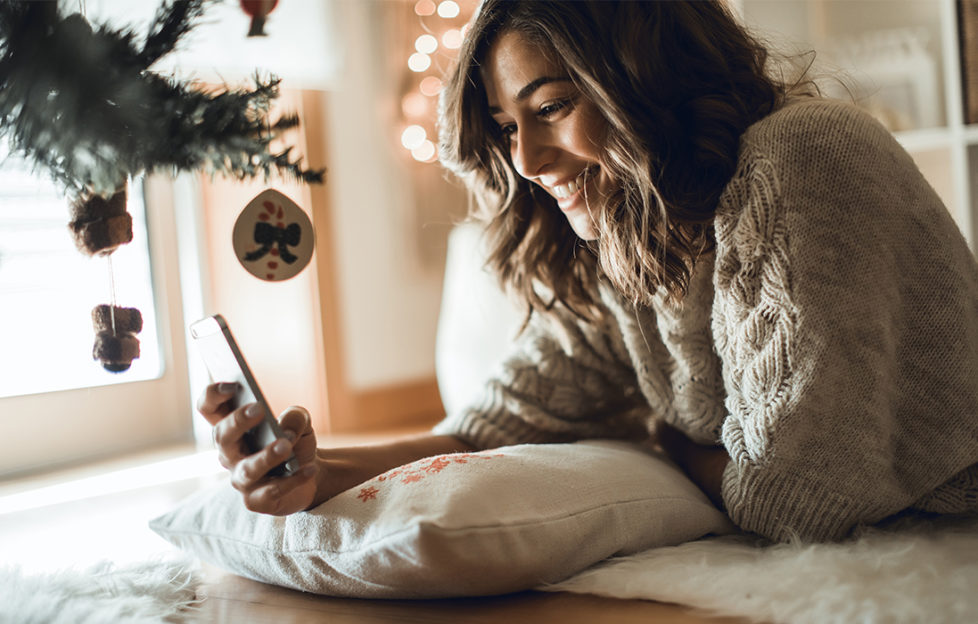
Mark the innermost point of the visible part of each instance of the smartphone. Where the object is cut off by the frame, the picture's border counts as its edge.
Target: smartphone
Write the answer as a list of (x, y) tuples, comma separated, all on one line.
[(225, 363)]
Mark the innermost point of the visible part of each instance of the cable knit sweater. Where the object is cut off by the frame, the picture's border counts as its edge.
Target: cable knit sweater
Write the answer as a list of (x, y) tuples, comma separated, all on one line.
[(830, 343)]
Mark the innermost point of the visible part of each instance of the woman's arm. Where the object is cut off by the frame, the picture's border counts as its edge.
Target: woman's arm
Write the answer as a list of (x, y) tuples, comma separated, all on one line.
[(704, 465), (322, 473), (343, 468)]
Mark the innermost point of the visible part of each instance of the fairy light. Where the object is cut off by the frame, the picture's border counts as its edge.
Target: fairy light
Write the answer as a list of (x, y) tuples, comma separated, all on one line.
[(426, 44), (413, 137), (419, 62), (448, 9), (452, 39), (430, 86), (414, 105), (438, 37), (425, 152), (424, 8)]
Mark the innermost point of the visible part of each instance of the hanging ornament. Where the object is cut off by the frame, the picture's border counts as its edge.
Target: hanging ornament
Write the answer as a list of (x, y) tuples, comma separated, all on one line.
[(98, 224), (273, 237), (258, 10), (116, 345)]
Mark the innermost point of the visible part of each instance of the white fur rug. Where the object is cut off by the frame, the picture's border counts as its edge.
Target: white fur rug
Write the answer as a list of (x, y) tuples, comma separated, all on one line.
[(150, 592), (921, 572)]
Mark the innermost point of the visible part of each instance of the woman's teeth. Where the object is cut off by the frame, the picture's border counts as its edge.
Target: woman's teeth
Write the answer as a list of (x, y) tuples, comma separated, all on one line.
[(566, 190)]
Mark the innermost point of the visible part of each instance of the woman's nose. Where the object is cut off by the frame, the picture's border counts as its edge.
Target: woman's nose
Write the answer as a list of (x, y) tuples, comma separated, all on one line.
[(531, 153)]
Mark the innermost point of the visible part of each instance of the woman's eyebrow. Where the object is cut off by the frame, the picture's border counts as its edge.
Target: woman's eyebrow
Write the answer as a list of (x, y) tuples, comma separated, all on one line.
[(529, 89)]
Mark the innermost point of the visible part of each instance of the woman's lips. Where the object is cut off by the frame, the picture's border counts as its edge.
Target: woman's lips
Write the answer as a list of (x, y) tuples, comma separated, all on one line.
[(568, 193)]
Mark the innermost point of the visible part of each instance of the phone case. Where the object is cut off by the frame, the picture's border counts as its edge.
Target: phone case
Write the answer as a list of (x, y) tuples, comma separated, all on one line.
[(225, 363)]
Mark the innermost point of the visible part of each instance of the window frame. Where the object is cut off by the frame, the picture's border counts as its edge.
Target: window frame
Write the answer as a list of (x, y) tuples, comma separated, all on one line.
[(54, 429)]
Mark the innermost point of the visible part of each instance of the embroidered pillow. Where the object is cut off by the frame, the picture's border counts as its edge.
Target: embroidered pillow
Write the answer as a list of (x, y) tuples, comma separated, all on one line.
[(465, 524)]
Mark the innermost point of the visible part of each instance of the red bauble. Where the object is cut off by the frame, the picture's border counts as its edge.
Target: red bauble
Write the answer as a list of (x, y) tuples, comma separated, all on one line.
[(258, 9)]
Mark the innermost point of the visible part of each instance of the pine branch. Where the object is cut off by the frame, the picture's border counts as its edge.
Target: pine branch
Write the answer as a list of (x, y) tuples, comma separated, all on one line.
[(173, 20), (81, 103)]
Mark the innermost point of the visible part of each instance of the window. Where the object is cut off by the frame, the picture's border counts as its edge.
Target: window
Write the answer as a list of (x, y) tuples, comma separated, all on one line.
[(48, 289), (57, 404)]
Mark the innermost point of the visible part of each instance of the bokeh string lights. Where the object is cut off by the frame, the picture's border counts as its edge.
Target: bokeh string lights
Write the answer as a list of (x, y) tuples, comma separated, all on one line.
[(438, 29)]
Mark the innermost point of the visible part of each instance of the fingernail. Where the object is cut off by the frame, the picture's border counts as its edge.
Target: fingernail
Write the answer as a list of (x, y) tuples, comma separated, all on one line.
[(290, 435), (280, 447), (227, 387), (253, 411)]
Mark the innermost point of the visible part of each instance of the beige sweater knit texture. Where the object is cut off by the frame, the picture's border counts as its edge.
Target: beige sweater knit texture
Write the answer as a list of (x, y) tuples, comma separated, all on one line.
[(830, 343)]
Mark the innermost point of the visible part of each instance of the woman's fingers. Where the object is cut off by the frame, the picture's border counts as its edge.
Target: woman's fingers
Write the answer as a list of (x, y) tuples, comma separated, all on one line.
[(279, 496), (297, 420), (249, 471), (229, 433), (215, 404), (274, 495)]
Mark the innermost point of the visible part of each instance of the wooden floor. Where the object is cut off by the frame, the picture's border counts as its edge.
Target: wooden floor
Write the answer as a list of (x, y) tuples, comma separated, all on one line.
[(79, 518), (230, 598)]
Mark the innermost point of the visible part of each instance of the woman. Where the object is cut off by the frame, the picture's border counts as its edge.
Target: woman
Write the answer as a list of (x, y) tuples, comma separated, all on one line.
[(758, 277)]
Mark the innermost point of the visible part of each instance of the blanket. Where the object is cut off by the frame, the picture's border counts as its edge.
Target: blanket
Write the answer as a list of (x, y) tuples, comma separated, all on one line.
[(146, 592), (910, 571)]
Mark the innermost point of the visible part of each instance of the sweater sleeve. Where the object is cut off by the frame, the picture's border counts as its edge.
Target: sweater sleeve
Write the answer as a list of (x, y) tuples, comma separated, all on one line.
[(565, 380), (846, 320)]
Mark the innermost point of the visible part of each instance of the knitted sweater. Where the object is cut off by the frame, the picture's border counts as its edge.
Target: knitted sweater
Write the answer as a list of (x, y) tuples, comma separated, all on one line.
[(830, 343)]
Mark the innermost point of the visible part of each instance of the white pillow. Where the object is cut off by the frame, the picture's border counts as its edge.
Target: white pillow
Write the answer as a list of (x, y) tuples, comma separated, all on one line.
[(477, 321), (465, 524)]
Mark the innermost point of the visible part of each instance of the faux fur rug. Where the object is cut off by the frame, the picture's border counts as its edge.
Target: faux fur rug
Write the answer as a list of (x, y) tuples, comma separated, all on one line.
[(920, 572), (151, 592)]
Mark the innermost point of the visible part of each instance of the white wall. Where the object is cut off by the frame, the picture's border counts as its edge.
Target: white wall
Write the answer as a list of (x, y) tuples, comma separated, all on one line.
[(389, 300)]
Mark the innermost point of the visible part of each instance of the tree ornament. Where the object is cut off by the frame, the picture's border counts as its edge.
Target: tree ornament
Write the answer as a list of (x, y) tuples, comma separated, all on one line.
[(273, 237), (116, 345), (258, 10), (82, 102), (100, 225)]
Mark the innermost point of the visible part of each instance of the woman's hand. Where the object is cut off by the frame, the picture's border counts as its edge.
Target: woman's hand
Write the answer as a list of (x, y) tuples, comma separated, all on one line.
[(704, 465), (249, 471), (322, 474)]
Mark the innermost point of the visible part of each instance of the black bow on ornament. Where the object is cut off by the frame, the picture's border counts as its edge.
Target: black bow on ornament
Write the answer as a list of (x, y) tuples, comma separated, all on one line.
[(268, 235)]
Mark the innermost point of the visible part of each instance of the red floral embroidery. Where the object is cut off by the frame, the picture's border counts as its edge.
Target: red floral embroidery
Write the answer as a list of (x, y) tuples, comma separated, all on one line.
[(367, 493), (417, 471), (435, 465)]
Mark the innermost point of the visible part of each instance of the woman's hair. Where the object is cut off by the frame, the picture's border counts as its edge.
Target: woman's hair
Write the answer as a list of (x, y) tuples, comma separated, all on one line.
[(677, 82)]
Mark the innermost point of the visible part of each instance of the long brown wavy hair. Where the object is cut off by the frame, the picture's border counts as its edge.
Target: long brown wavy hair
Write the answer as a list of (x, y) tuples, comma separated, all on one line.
[(677, 82)]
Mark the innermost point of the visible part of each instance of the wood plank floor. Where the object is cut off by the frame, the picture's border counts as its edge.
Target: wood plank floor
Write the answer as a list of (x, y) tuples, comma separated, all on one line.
[(78, 518), (230, 598)]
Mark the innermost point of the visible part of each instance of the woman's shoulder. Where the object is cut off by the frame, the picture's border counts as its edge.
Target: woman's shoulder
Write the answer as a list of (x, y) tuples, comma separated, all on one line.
[(817, 140), (809, 160), (802, 124)]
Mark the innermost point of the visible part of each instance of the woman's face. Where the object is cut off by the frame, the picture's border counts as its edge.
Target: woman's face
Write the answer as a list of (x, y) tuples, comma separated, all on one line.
[(554, 131)]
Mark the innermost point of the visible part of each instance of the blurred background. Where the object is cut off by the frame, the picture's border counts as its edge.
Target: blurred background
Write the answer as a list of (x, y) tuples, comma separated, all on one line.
[(353, 336)]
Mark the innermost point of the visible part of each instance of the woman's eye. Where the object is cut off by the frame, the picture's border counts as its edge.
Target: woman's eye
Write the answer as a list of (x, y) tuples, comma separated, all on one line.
[(507, 131), (552, 108)]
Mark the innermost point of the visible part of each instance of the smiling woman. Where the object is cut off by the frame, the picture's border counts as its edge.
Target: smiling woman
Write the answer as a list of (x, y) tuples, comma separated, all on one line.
[(555, 133), (666, 199), (715, 260)]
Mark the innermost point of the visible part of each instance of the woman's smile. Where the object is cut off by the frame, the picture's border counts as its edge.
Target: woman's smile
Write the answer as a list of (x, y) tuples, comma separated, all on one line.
[(567, 192), (554, 132)]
